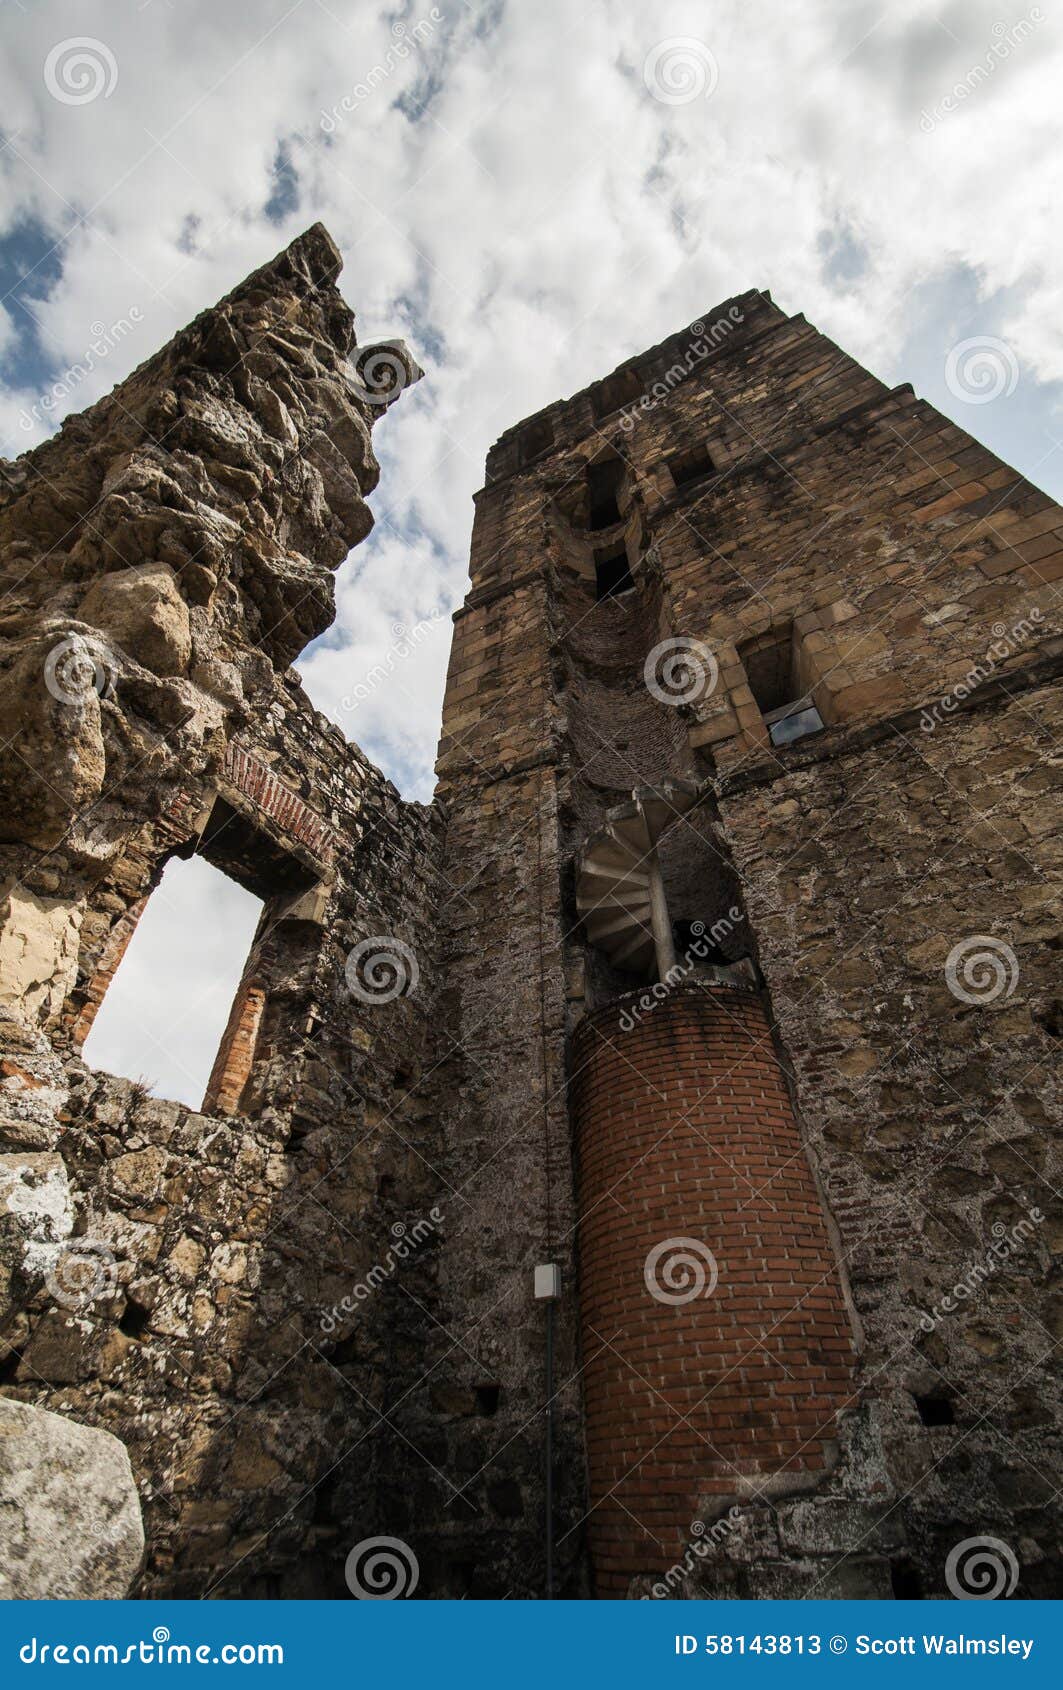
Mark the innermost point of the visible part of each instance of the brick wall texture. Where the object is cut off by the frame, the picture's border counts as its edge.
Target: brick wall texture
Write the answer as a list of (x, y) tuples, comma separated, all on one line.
[(717, 1350)]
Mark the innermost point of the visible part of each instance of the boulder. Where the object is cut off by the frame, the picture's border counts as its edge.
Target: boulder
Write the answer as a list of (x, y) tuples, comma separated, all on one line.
[(70, 1524), (142, 611)]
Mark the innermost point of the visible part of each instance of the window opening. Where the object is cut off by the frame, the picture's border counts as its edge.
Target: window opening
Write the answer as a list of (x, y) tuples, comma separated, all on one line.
[(167, 1008), (935, 1411), (614, 391), (771, 671), (603, 486), (612, 573), (690, 466), (536, 437)]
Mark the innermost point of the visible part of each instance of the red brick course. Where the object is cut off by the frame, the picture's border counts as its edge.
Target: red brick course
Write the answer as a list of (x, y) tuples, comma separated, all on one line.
[(257, 781), (236, 1053), (685, 1130)]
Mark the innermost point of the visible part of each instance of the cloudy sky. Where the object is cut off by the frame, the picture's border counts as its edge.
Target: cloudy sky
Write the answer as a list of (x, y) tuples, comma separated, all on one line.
[(529, 193)]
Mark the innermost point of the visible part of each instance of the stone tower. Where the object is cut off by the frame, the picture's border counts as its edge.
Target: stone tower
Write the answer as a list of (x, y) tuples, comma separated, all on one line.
[(751, 959), (719, 980)]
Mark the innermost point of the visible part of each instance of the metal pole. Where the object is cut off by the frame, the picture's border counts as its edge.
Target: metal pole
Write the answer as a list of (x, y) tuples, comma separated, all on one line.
[(550, 1450)]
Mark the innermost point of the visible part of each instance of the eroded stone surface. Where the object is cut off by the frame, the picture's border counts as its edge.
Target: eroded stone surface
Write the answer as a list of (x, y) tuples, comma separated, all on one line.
[(305, 1308), (70, 1522)]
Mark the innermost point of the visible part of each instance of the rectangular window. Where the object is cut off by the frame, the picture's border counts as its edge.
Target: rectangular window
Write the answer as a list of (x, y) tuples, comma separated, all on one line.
[(603, 485), (772, 671), (616, 390), (534, 438), (793, 721), (690, 466), (612, 572), (170, 999)]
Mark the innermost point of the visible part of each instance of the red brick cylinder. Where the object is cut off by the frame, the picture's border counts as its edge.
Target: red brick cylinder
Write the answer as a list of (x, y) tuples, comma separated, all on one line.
[(716, 1343)]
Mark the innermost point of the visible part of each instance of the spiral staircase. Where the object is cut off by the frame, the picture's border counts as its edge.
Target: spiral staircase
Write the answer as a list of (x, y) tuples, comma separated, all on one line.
[(619, 891)]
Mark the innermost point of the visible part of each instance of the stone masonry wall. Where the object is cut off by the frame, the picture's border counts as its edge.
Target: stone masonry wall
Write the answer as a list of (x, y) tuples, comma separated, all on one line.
[(310, 1319), (758, 485), (196, 1282)]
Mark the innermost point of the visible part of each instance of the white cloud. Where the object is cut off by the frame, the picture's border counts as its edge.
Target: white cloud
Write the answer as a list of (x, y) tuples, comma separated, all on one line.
[(169, 1002), (513, 199)]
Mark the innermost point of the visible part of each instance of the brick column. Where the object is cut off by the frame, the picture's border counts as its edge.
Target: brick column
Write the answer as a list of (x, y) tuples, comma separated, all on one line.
[(716, 1342), (236, 1053)]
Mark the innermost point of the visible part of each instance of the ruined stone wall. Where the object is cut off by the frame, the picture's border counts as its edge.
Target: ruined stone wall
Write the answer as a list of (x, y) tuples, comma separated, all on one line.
[(221, 1290), (746, 481), (307, 1310)]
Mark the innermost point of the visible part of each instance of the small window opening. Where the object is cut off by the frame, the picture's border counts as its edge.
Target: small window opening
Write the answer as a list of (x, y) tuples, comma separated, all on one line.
[(168, 1005), (905, 1581), (690, 466), (9, 1367), (771, 670), (535, 438), (134, 1319), (461, 1574), (1049, 1017), (614, 391), (612, 573), (935, 1411), (603, 486), (487, 1399)]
